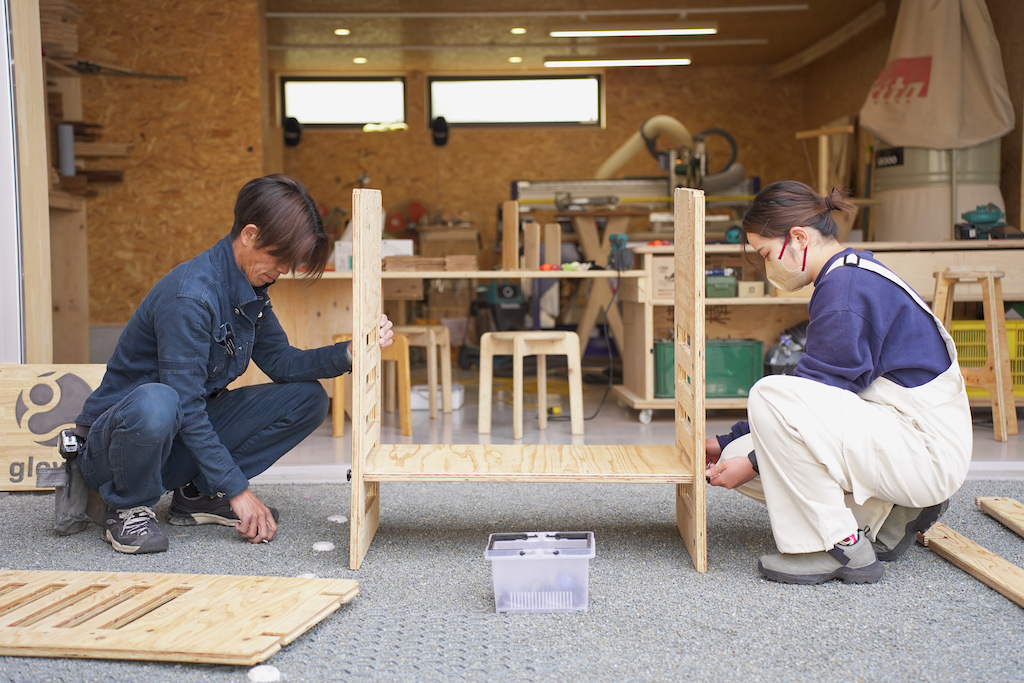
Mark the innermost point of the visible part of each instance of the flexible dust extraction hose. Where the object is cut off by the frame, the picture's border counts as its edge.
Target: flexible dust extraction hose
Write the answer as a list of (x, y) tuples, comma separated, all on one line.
[(638, 142)]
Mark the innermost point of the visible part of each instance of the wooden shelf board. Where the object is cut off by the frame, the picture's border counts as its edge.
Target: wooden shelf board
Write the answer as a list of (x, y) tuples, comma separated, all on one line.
[(484, 274), (635, 400), (527, 463)]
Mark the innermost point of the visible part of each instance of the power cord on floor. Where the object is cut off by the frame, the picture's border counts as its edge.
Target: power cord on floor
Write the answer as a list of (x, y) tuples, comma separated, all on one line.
[(611, 358)]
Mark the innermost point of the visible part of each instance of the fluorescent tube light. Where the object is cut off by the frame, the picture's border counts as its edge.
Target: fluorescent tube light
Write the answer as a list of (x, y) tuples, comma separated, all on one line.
[(607, 61), (635, 30)]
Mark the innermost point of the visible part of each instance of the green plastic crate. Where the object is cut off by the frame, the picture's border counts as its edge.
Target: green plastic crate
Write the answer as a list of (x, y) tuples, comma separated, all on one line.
[(664, 368), (732, 366), (719, 286)]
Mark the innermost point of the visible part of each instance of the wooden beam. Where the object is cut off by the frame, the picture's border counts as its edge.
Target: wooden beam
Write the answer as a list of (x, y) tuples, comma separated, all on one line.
[(33, 180), (828, 43), (980, 563), (1008, 511)]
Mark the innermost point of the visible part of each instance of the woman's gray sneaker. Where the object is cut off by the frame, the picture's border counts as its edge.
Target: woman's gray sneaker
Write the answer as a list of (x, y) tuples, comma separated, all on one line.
[(854, 563), (901, 528)]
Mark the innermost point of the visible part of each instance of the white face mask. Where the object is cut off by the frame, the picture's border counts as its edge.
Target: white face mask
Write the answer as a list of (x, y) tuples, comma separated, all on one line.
[(780, 276)]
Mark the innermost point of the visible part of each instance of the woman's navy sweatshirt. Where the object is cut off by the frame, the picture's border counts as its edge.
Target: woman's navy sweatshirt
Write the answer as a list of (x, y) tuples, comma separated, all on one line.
[(862, 327)]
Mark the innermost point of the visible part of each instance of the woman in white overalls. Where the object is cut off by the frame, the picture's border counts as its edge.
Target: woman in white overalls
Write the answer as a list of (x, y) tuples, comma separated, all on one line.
[(862, 447)]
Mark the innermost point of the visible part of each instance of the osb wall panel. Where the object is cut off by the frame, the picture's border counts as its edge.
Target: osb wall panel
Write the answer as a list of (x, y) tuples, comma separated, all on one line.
[(195, 143), (473, 172)]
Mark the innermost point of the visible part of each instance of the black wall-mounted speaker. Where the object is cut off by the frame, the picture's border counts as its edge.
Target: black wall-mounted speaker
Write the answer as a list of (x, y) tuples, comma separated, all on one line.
[(440, 129), (292, 131)]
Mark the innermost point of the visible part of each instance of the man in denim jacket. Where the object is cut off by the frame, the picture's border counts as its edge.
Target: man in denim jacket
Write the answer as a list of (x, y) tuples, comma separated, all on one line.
[(163, 418)]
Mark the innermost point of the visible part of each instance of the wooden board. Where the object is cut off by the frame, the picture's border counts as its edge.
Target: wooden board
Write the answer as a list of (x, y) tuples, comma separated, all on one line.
[(980, 563), (527, 462), (366, 376), (1008, 511), (199, 618), (36, 402), (690, 405)]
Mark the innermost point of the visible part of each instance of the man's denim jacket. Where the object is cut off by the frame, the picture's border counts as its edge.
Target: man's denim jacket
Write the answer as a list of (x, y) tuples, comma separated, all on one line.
[(196, 331)]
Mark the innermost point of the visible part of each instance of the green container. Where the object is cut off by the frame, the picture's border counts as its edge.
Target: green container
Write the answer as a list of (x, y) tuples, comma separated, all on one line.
[(719, 286), (664, 368), (732, 366)]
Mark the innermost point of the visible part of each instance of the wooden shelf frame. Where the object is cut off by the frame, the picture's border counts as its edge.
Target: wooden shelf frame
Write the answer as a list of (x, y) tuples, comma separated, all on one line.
[(681, 464)]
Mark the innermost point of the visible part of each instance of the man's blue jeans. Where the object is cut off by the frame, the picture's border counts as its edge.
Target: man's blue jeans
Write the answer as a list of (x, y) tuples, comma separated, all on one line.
[(133, 455)]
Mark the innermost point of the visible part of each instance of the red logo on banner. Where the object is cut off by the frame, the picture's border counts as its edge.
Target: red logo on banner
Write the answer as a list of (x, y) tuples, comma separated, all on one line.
[(901, 80)]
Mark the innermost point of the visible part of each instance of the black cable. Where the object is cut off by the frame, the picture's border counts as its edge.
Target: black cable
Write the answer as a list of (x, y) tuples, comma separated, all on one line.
[(608, 346)]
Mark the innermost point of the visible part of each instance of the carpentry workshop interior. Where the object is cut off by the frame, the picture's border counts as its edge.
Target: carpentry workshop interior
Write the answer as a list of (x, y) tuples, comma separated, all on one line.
[(610, 241)]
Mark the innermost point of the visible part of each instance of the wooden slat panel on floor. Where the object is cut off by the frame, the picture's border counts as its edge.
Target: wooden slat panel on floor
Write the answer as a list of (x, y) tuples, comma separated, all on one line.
[(980, 563), (1007, 510), (198, 618)]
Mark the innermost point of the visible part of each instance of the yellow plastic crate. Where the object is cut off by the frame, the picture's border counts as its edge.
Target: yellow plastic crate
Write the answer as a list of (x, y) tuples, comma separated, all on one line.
[(969, 337)]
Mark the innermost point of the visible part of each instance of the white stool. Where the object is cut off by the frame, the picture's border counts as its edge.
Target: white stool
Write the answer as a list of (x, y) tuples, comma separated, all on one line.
[(437, 341), (538, 343)]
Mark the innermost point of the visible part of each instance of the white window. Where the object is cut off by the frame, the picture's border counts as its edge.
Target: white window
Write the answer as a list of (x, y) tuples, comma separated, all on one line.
[(343, 101), (569, 100)]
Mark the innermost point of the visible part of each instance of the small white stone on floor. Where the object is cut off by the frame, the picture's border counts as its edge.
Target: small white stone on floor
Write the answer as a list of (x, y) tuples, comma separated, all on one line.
[(307, 575), (338, 519), (323, 546), (264, 673)]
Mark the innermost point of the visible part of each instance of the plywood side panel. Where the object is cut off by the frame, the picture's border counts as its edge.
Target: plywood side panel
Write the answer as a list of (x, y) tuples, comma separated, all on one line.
[(366, 311), (689, 368)]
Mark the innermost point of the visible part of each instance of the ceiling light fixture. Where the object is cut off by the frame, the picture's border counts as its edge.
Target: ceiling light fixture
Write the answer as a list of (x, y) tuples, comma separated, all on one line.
[(518, 31), (341, 32), (587, 63), (515, 60), (359, 60), (636, 30)]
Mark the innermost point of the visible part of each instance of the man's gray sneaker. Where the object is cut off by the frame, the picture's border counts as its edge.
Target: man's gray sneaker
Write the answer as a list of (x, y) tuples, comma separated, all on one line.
[(854, 563), (901, 528), (189, 507), (134, 531)]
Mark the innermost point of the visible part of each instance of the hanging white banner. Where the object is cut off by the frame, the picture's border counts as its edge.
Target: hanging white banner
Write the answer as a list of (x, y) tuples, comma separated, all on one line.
[(943, 86)]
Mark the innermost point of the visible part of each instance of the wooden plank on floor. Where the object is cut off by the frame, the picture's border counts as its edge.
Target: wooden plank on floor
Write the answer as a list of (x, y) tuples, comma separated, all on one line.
[(199, 618), (1006, 510), (980, 563), (527, 463)]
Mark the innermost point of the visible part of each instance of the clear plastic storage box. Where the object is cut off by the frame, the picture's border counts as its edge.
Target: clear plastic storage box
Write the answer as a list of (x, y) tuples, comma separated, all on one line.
[(541, 571)]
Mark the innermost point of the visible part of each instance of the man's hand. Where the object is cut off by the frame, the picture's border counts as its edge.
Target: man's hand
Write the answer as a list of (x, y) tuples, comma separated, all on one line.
[(386, 334), (255, 522), (731, 472)]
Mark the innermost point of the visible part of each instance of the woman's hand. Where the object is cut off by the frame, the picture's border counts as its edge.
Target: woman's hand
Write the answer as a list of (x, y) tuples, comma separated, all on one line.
[(730, 473), (712, 451), (386, 334)]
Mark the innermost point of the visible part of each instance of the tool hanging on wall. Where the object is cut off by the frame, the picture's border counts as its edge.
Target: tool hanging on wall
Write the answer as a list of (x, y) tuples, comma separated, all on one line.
[(86, 67)]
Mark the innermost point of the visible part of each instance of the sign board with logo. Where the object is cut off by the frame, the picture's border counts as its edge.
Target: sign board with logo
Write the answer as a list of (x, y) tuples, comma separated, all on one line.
[(36, 402)]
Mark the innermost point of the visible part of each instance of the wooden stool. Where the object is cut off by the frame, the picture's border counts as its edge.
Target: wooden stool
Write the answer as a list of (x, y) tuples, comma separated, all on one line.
[(538, 343), (398, 352), (436, 340), (994, 376)]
